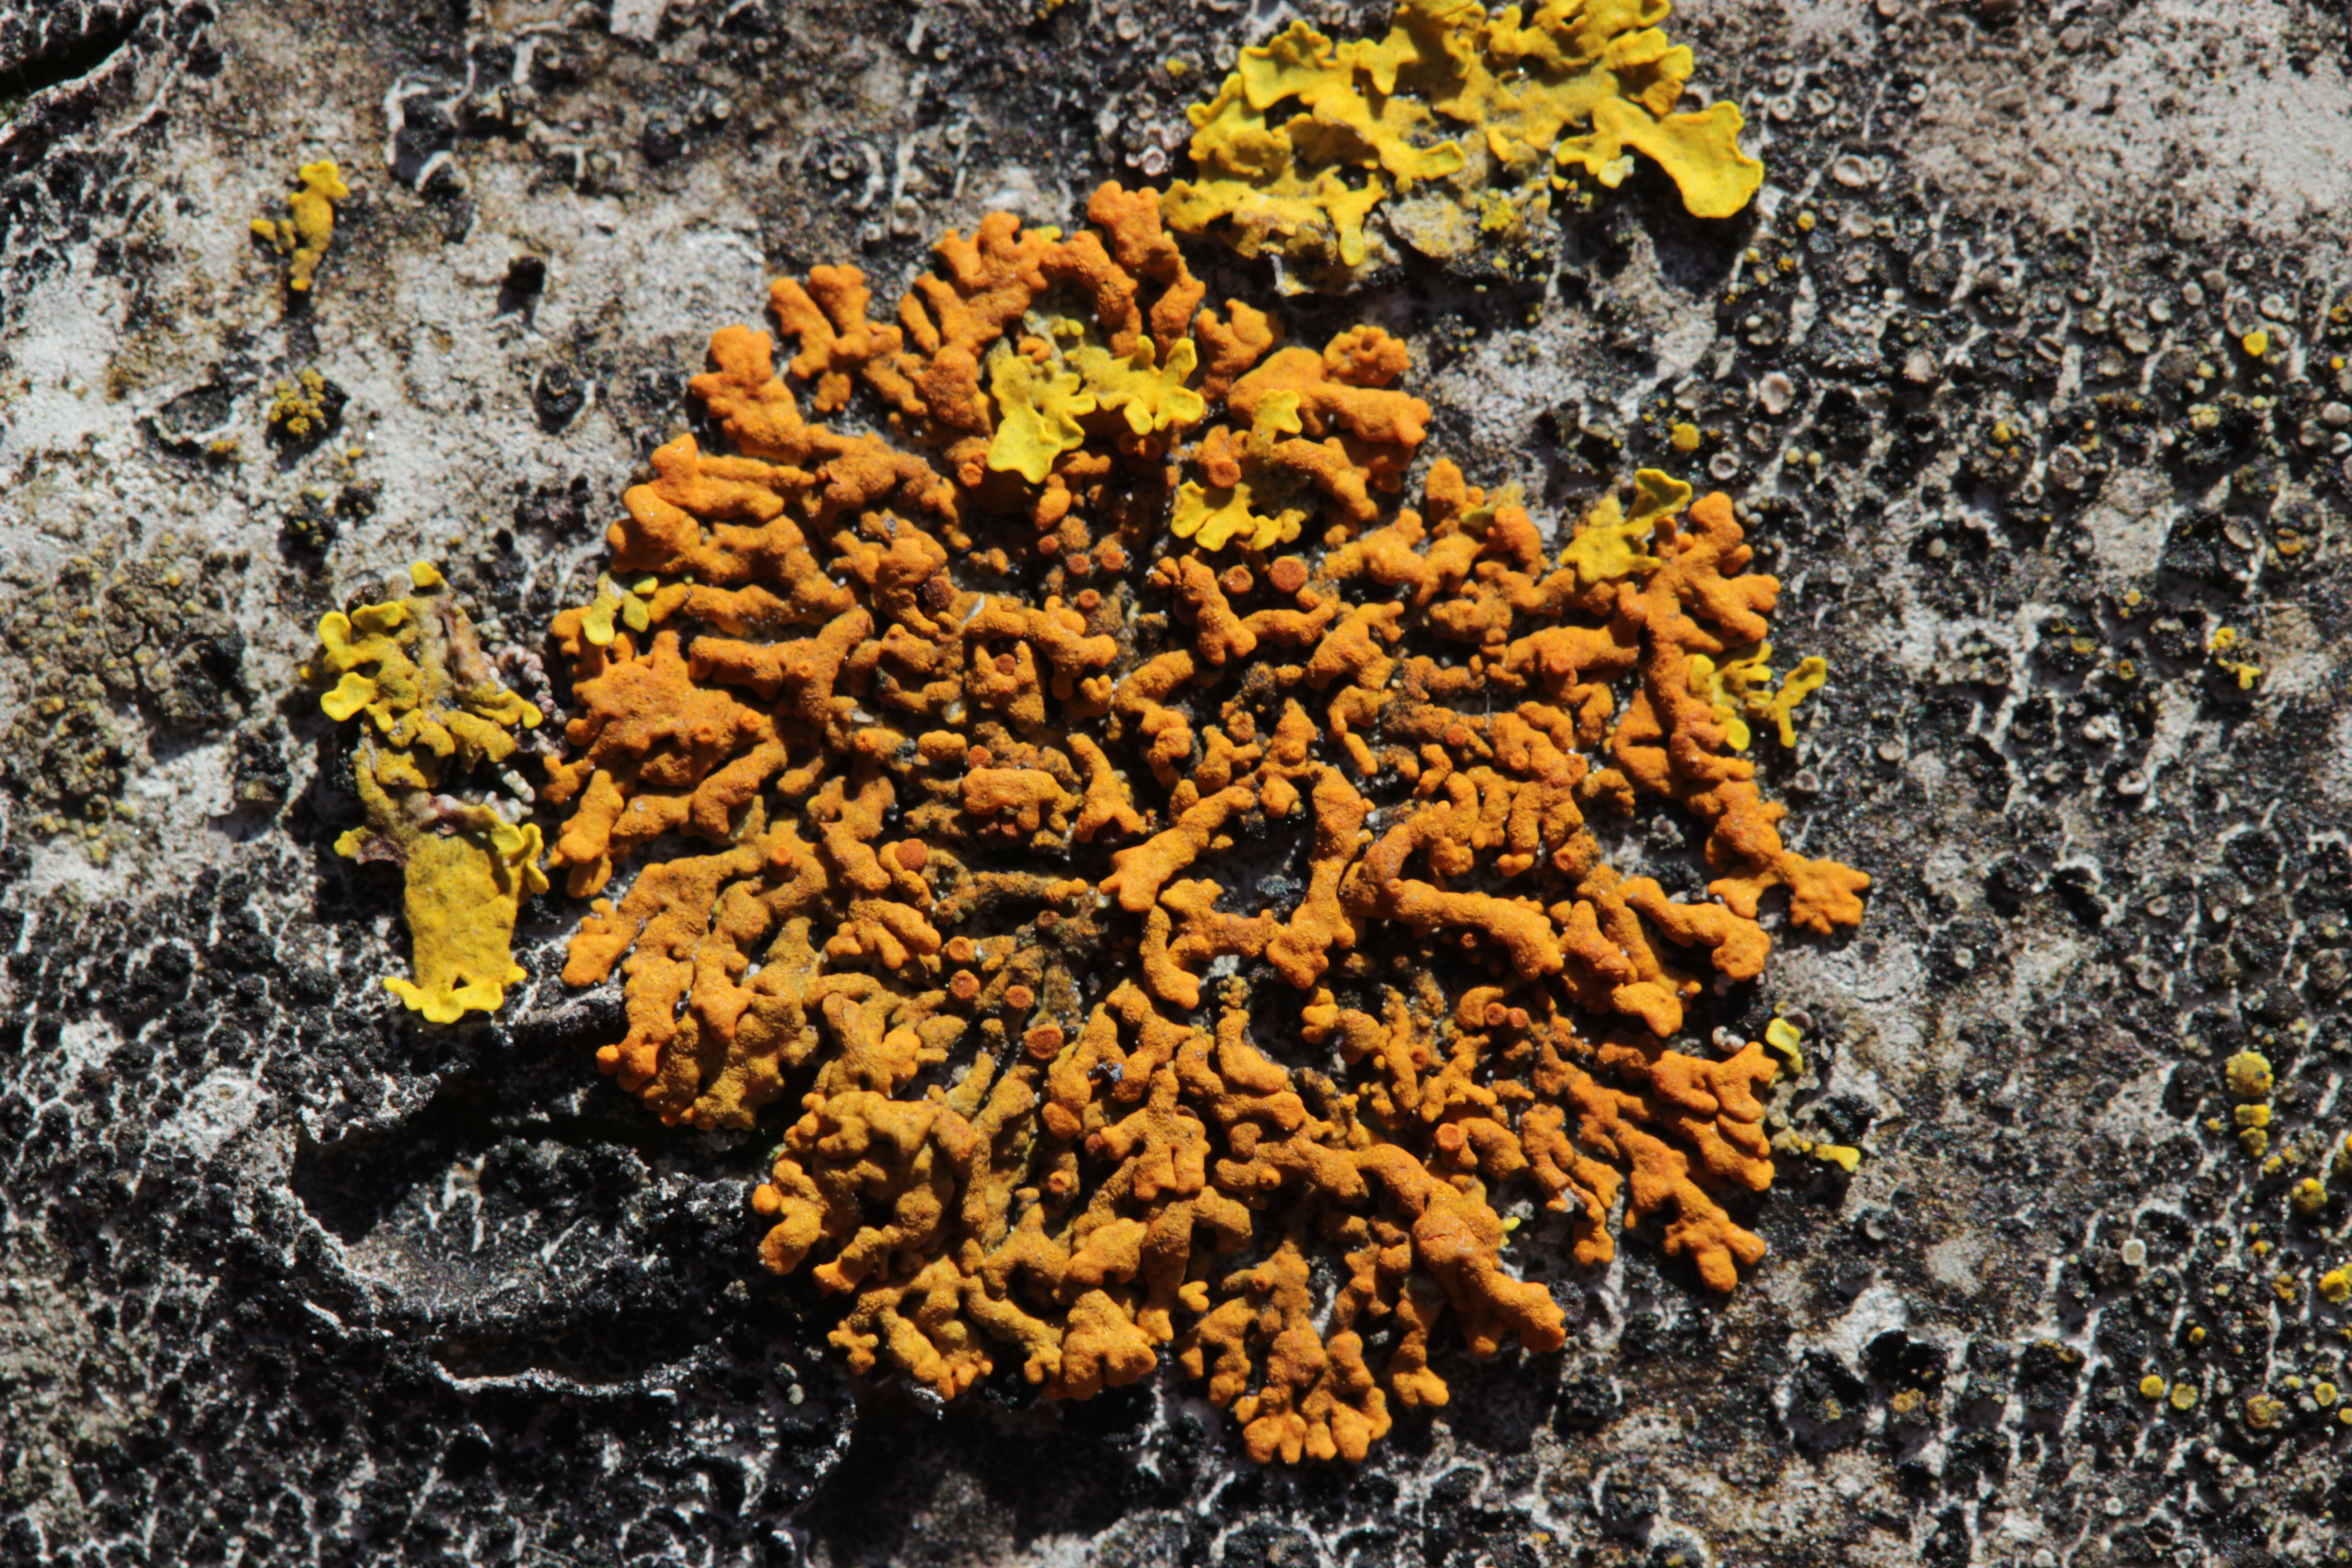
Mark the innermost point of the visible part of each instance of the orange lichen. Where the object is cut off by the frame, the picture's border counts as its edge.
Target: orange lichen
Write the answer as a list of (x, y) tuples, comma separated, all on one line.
[(999, 776)]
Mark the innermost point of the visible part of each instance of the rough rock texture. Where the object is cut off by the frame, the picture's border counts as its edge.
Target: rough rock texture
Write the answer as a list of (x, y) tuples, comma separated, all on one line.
[(2025, 370)]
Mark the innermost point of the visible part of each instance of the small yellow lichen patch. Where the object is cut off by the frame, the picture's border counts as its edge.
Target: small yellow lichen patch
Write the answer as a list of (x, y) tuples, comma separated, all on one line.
[(1215, 519), (1740, 689), (1036, 411), (2184, 1397), (2221, 646), (1784, 1037), (1152, 396), (610, 605), (2151, 1387), (461, 898), (411, 670), (2249, 1075), (298, 408), (1609, 543), (2335, 1287), (306, 234), (1700, 151)]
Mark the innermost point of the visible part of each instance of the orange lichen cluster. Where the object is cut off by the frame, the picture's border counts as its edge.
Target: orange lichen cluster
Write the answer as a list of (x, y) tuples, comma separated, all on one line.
[(1135, 910)]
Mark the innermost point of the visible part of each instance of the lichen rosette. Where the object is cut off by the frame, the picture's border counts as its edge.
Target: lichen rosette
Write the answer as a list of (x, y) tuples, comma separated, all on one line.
[(1148, 854)]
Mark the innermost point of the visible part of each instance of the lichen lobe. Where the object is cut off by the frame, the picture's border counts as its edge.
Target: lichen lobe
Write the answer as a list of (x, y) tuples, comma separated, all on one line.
[(430, 709)]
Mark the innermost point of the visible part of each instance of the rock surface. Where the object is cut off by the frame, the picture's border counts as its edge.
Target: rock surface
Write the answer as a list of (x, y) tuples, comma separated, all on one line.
[(2028, 369)]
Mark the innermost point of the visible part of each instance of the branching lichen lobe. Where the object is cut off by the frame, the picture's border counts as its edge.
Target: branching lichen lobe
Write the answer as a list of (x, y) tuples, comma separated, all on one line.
[(431, 708), (1135, 911)]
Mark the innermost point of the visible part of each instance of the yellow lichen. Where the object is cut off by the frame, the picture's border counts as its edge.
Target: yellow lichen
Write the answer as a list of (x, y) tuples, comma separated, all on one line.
[(2248, 1078), (2249, 1075), (1740, 689), (1610, 542), (1700, 151), (306, 233), (2221, 645), (1036, 412), (1586, 84), (2151, 1387), (2336, 1286), (432, 709), (298, 408), (1215, 519), (1152, 396)]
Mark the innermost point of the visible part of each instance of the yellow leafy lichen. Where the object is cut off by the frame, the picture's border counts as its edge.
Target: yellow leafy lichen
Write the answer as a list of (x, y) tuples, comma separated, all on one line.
[(432, 708), (1215, 519), (1151, 396), (1739, 691), (1609, 543), (1701, 152), (305, 236), (1589, 82), (1037, 414)]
